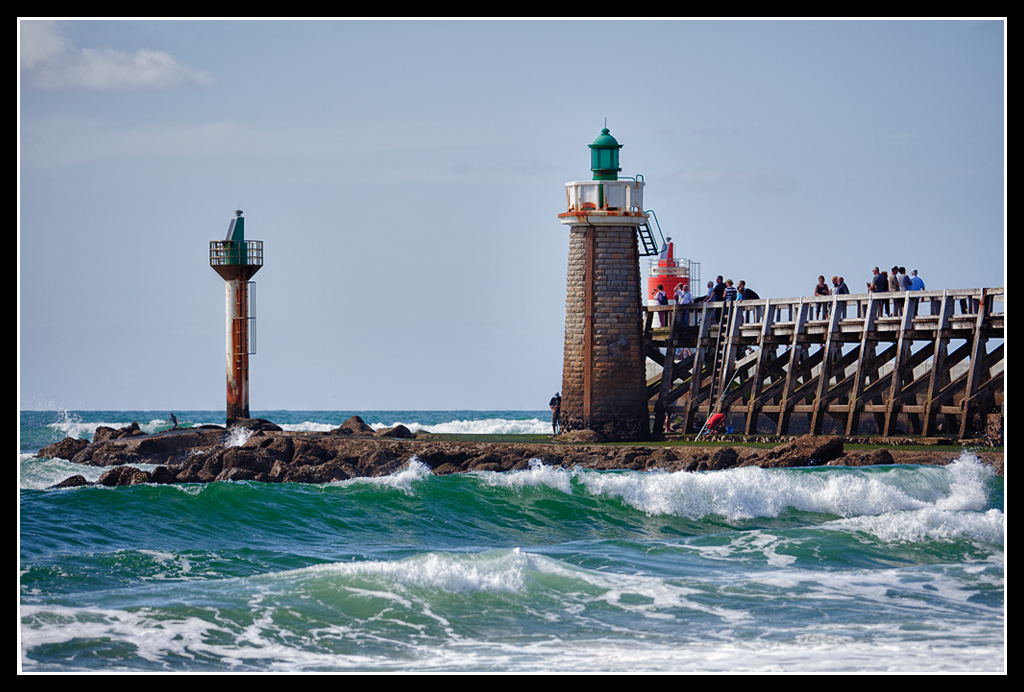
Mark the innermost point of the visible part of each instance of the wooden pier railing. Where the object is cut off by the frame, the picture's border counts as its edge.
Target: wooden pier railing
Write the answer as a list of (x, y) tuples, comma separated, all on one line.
[(889, 364)]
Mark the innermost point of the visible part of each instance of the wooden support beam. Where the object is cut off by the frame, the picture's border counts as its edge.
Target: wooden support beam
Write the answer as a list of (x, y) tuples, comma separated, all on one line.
[(969, 404), (797, 351), (666, 376), (899, 373)]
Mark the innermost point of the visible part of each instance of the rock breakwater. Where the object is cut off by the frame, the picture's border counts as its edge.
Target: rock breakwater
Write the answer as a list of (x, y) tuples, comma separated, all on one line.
[(262, 452)]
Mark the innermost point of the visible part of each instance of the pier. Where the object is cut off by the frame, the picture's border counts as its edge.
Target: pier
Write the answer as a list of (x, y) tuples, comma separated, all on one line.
[(916, 363)]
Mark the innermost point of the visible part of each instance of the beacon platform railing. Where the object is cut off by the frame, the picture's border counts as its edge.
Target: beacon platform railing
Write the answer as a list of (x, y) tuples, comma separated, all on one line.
[(224, 252)]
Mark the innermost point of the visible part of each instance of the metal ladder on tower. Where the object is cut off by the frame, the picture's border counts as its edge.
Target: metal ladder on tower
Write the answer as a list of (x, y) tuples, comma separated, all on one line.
[(715, 396), (648, 242), (648, 245)]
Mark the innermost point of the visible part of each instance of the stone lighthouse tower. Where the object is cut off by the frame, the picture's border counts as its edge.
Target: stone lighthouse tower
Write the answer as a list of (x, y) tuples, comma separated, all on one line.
[(603, 372)]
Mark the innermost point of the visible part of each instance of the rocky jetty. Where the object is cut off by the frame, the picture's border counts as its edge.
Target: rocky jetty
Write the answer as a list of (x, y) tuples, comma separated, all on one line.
[(260, 451)]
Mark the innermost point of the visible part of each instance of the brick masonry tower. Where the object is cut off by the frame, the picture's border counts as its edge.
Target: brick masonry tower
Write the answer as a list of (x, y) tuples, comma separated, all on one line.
[(603, 371)]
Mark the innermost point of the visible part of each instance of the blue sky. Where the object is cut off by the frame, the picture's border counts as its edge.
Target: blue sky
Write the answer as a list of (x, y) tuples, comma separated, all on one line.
[(405, 177)]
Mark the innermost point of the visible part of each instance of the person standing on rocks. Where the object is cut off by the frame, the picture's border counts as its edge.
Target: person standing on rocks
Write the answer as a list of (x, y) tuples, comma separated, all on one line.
[(556, 406)]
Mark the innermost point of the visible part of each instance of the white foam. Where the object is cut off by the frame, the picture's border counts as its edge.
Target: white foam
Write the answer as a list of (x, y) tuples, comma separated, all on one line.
[(494, 571), (751, 492), (539, 474), (485, 426), (934, 524), (403, 479)]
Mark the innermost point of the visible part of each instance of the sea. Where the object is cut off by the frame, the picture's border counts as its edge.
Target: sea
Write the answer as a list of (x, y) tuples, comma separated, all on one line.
[(883, 569)]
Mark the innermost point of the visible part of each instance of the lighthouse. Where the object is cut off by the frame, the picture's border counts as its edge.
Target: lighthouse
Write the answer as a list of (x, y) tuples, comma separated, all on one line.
[(237, 260), (603, 370)]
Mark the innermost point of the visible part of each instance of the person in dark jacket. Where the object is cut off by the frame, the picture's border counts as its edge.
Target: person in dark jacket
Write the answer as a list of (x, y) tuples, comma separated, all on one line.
[(839, 288), (879, 284), (556, 406)]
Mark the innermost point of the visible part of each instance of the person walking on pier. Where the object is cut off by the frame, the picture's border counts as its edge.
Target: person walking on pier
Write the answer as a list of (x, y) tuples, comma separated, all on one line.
[(916, 282)]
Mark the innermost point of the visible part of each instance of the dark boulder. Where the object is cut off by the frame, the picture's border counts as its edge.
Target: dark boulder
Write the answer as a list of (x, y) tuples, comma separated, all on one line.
[(306, 452), (104, 433), (65, 449), (354, 426), (876, 457), (257, 460), (163, 475), (380, 462), (236, 473), (124, 475), (488, 462), (73, 482), (399, 431), (715, 460), (806, 450), (255, 424)]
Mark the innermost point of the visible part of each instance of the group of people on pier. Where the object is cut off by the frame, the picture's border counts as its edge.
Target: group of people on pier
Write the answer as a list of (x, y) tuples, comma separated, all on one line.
[(898, 281), (718, 290), (722, 289), (881, 282)]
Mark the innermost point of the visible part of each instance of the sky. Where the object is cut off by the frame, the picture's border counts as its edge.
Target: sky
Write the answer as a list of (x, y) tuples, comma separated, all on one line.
[(405, 178)]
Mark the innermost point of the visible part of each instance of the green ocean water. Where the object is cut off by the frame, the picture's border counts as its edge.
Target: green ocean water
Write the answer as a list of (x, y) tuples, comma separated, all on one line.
[(876, 569)]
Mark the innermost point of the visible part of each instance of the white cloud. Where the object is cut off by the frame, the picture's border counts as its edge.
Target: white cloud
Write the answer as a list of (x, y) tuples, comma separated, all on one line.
[(50, 61)]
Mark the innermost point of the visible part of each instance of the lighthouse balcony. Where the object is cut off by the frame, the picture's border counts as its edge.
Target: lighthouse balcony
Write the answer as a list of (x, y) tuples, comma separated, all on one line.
[(604, 202), (225, 252)]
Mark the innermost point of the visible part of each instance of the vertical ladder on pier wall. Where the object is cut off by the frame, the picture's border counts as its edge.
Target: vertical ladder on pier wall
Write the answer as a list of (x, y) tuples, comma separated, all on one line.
[(720, 366)]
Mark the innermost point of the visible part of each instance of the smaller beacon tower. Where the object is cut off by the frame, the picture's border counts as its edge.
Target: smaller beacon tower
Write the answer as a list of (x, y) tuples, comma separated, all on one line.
[(603, 371), (236, 260), (670, 271)]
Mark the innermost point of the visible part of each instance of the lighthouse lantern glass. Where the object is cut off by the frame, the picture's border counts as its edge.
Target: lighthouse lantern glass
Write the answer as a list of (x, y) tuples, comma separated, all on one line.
[(604, 157)]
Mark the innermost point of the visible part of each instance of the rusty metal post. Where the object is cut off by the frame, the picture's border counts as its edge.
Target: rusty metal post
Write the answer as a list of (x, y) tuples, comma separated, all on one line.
[(237, 314)]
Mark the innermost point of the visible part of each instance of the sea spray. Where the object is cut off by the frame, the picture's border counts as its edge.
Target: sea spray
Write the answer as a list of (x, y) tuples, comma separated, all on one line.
[(237, 437)]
